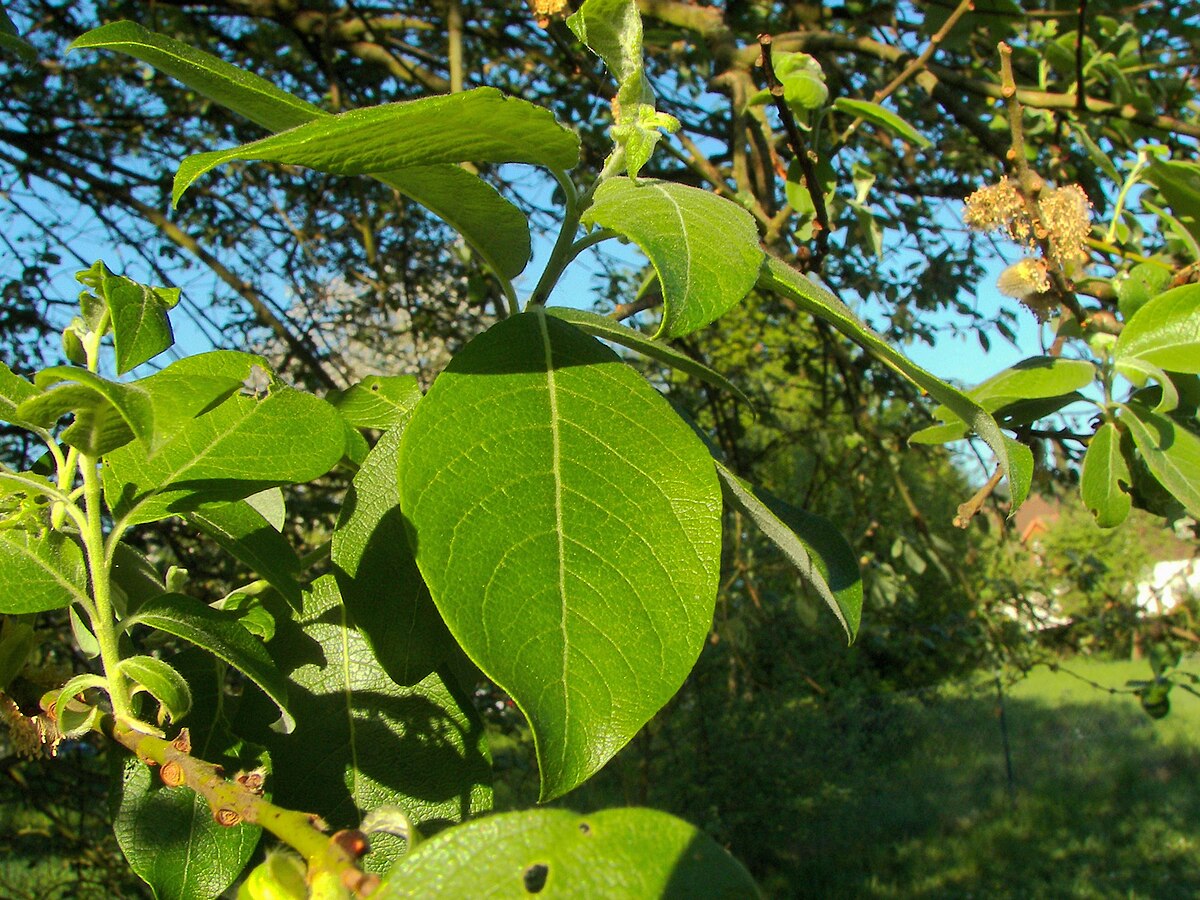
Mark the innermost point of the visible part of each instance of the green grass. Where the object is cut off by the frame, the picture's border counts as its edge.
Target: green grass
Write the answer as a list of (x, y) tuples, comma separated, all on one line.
[(906, 797)]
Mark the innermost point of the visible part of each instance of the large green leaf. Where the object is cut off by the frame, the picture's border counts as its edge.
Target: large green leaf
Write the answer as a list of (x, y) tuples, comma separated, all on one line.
[(812, 544), (568, 526), (377, 575), (491, 224), (362, 741), (1037, 378), (140, 327), (1172, 453), (611, 330), (39, 571), (243, 532), (168, 835), (703, 247), (1015, 459), (481, 125), (1105, 470), (1165, 332), (233, 449), (1179, 184), (220, 634), (554, 853)]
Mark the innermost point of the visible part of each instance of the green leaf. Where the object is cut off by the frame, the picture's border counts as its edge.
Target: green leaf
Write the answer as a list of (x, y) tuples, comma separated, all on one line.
[(73, 688), (219, 633), (610, 330), (378, 401), (547, 484), (14, 390), (107, 414), (481, 125), (612, 29), (1165, 332), (242, 532), (270, 505), (1105, 469), (1136, 287), (1179, 184), (558, 853), (240, 446), (812, 544), (140, 327), (1036, 378), (704, 248), (1172, 453), (1139, 372), (376, 572), (362, 741), (883, 117), (160, 681), (12, 41), (168, 835), (1015, 459), (496, 229), (40, 571)]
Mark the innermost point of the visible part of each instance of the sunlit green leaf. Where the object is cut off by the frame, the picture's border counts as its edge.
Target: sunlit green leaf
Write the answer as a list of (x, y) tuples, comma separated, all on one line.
[(1165, 332), (883, 117), (1015, 459), (1179, 184), (160, 681), (611, 330), (39, 571), (1172, 453), (378, 401), (481, 125), (138, 312), (220, 634), (490, 224), (703, 247), (1039, 378), (231, 450), (1105, 470), (811, 544), (558, 853), (548, 485)]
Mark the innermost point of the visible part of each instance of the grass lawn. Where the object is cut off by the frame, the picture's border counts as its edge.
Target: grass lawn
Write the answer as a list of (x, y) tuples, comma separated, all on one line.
[(1106, 800), (907, 797)]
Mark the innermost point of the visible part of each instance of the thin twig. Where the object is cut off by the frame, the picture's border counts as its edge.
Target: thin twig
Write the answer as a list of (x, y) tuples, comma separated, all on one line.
[(796, 141), (915, 65), (967, 511)]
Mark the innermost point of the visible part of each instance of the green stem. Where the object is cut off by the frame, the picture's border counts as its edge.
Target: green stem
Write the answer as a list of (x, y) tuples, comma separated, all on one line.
[(104, 621), (564, 246)]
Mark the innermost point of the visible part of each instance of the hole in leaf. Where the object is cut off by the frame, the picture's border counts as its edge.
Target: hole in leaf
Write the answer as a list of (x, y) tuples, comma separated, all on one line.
[(585, 828), (535, 877)]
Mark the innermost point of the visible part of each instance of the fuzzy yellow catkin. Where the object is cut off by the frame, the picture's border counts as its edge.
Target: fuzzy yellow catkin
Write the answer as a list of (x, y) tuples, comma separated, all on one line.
[(543, 10)]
